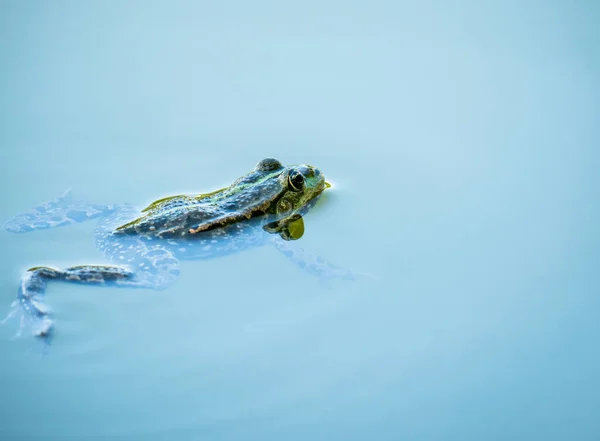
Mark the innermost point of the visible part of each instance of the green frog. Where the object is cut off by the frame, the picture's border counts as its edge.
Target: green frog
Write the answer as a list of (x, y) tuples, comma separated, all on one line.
[(265, 206)]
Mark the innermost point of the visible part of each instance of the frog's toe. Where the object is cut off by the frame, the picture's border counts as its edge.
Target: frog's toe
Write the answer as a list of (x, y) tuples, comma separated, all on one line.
[(44, 329), (44, 332), (14, 308), (41, 326)]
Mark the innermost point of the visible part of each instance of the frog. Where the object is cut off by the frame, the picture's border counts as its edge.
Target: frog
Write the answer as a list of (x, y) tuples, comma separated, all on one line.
[(264, 206)]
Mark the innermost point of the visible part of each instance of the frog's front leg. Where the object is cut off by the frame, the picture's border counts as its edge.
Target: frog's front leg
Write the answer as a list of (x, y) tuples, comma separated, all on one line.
[(311, 263)]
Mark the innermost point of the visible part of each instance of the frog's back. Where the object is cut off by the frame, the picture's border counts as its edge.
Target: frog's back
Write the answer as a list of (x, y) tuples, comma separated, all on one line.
[(180, 216)]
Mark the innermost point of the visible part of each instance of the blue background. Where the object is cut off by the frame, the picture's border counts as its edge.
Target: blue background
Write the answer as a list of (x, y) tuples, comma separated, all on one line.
[(462, 139)]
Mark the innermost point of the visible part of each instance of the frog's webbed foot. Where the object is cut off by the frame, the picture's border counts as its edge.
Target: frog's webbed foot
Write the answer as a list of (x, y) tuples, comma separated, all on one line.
[(289, 228), (55, 213), (313, 264), (155, 268), (41, 326), (30, 305), (292, 228)]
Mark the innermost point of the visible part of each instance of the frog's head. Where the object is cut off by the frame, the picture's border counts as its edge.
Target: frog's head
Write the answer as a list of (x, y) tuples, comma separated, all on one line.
[(299, 186)]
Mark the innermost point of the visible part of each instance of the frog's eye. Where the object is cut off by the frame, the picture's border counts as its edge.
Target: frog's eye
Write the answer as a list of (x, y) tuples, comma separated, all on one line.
[(296, 181)]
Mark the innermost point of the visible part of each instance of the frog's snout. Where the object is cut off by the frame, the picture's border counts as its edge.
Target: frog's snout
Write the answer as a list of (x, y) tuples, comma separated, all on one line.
[(314, 178)]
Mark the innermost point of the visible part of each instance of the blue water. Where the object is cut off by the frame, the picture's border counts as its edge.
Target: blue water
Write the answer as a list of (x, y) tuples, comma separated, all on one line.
[(462, 140)]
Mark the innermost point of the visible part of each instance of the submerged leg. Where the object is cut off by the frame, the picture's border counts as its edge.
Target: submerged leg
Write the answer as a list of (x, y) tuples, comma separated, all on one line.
[(156, 271), (315, 265), (30, 296), (58, 212)]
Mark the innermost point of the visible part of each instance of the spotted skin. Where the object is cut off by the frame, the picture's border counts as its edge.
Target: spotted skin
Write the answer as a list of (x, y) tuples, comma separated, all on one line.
[(270, 189), (145, 246)]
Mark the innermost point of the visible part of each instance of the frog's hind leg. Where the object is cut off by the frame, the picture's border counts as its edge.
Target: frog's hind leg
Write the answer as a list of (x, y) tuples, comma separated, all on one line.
[(156, 267), (30, 296), (55, 213)]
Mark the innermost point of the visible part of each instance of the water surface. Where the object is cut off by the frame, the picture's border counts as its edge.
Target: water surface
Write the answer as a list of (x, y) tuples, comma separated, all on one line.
[(462, 141)]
